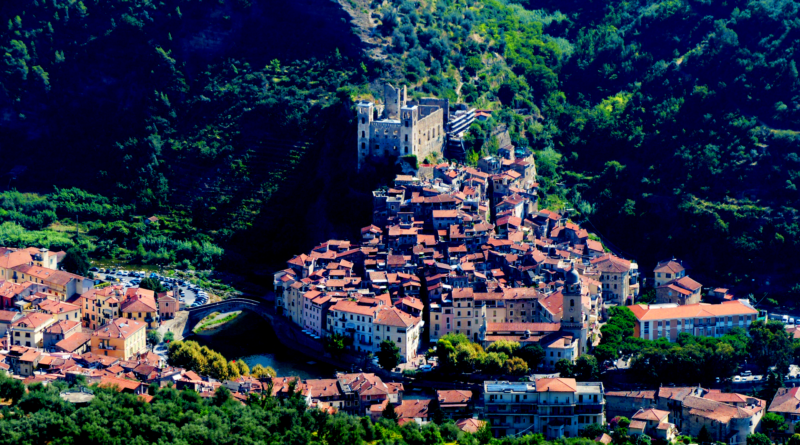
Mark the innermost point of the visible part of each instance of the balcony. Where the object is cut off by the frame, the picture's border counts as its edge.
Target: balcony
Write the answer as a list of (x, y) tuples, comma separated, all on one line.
[(589, 409), (107, 347), (557, 411)]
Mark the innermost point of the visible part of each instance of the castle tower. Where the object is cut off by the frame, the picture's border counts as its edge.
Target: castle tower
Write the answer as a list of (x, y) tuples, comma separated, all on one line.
[(395, 99), (365, 112), (573, 318), (409, 140)]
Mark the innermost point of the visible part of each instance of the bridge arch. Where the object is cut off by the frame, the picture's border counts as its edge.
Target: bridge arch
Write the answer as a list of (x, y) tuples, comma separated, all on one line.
[(196, 314)]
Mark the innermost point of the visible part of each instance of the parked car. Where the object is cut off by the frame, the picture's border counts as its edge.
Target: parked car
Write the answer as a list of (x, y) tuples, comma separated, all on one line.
[(425, 368), (94, 269), (747, 373)]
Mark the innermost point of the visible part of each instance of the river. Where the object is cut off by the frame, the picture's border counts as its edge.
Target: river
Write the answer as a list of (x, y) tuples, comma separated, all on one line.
[(251, 339)]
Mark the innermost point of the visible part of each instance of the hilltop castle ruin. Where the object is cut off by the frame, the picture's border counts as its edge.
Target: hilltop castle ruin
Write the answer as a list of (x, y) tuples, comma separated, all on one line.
[(403, 127)]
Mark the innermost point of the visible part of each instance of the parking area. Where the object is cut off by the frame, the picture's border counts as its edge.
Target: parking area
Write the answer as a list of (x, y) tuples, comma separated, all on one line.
[(190, 295)]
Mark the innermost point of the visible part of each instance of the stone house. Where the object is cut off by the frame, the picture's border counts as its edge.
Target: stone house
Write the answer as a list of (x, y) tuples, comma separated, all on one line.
[(680, 291), (667, 271), (402, 329), (59, 331)]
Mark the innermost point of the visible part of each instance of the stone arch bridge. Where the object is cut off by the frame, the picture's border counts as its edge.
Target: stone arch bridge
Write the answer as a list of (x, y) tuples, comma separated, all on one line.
[(288, 333)]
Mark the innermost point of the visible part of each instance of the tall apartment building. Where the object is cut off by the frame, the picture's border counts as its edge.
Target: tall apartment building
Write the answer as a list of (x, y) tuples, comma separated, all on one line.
[(403, 129), (554, 407)]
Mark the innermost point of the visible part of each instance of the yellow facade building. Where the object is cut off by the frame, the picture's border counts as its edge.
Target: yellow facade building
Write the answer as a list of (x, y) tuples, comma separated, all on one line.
[(122, 338)]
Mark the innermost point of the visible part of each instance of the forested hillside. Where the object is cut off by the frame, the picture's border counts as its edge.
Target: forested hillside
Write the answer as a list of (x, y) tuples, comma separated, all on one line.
[(670, 127), (197, 111)]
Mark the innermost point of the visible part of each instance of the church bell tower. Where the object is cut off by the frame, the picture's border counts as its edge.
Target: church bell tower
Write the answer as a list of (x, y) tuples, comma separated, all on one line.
[(574, 320)]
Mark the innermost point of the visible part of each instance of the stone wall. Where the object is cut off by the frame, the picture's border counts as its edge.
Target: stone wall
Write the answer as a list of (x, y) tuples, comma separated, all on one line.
[(384, 139), (429, 134)]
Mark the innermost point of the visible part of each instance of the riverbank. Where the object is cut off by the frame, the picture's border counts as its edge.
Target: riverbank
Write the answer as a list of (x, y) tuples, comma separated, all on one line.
[(212, 324), (252, 339)]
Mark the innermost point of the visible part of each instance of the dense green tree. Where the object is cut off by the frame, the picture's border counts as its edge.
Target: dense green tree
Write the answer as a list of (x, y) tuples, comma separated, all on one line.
[(153, 284), (772, 423), (388, 355), (389, 412), (509, 348), (221, 395), (586, 368), (153, 337), (76, 261), (435, 411), (704, 436), (758, 439), (565, 368), (11, 389), (260, 371), (533, 354), (515, 366), (593, 431)]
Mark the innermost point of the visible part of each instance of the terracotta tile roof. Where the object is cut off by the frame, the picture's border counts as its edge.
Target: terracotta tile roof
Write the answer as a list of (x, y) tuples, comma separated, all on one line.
[(637, 425), (413, 409), (556, 385), (57, 307), (522, 327), (11, 258), (58, 277), (414, 303), (604, 438), (118, 383), (675, 288), (688, 283), (697, 310), (596, 246), (650, 414), (786, 400), (139, 300), (449, 397), (553, 303), (366, 384), (318, 388), (8, 316), (62, 326), (725, 397), (719, 411), (354, 307), (650, 395), (670, 266), (611, 264), (119, 328), (679, 393), (33, 320), (471, 425)]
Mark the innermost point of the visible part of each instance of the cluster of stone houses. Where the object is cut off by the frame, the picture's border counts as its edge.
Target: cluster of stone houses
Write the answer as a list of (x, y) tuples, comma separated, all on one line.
[(663, 413), (46, 310), (493, 265)]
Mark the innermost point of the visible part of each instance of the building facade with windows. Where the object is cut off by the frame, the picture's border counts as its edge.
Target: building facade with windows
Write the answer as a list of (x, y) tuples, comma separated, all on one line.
[(554, 407), (712, 320)]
